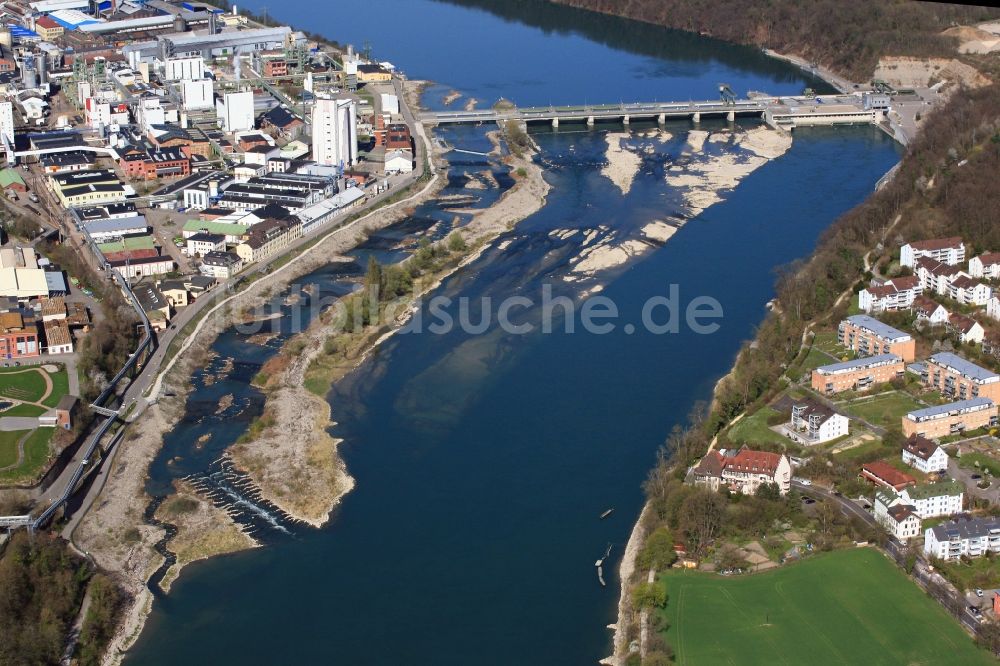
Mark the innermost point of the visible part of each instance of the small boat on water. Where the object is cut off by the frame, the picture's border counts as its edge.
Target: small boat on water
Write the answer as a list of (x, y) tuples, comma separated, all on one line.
[(607, 513), (600, 566)]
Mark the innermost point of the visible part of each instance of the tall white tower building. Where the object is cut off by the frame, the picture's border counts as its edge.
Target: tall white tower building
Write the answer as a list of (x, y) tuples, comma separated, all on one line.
[(335, 131), (7, 122)]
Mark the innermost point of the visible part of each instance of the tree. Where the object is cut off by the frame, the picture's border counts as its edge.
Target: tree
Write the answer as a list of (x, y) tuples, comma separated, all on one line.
[(769, 491), (730, 558), (659, 658), (456, 243), (649, 595), (701, 519), (658, 551)]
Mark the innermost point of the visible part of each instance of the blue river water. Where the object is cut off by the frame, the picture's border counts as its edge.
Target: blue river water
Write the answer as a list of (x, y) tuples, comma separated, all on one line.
[(483, 461)]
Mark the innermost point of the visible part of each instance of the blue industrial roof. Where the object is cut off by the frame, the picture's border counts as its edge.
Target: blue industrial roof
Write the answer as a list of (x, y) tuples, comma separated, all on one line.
[(877, 327), (867, 362), (966, 368), (21, 32), (942, 410)]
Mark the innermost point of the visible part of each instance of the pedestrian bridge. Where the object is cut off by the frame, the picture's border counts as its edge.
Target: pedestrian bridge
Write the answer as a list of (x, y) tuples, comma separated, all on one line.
[(777, 111)]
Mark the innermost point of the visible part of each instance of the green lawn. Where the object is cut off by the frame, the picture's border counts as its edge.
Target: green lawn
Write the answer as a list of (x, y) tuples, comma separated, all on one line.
[(8, 446), (884, 410), (22, 383), (845, 607), (858, 451), (814, 359), (60, 387), (827, 341), (753, 428), (36, 452), (24, 409)]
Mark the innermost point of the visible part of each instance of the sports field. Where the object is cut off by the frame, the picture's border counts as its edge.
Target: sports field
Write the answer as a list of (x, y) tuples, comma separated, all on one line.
[(845, 607)]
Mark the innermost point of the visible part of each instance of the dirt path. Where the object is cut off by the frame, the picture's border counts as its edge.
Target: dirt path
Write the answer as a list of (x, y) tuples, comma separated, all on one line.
[(20, 453)]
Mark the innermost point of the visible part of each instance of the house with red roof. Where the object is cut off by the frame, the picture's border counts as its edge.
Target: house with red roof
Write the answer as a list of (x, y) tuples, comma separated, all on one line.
[(881, 473), (743, 470)]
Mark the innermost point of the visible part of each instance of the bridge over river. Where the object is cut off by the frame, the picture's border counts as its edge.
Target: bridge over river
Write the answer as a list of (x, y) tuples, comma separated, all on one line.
[(787, 112)]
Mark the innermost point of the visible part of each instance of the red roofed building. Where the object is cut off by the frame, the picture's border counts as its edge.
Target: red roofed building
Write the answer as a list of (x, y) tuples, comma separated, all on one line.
[(48, 29), (895, 294), (883, 474), (949, 251), (743, 470)]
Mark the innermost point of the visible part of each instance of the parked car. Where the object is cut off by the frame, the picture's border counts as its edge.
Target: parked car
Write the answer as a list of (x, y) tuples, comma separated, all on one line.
[(979, 592), (33, 197)]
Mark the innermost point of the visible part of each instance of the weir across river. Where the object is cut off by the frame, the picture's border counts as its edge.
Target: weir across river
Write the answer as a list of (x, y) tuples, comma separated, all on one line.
[(784, 112)]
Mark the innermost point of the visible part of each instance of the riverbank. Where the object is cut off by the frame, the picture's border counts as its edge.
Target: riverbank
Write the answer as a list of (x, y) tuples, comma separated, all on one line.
[(297, 468), (114, 531)]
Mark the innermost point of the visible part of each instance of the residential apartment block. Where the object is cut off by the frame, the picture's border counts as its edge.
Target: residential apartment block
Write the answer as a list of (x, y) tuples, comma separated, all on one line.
[(924, 455), (895, 294), (951, 419), (867, 336), (960, 379), (813, 423), (936, 276), (973, 537), (946, 250), (985, 266), (857, 375), (743, 470)]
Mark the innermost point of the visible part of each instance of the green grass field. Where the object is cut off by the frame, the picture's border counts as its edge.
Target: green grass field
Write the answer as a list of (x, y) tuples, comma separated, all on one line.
[(36, 453), (8, 446), (60, 387), (753, 428), (845, 607), (22, 383), (24, 409), (884, 410), (814, 359)]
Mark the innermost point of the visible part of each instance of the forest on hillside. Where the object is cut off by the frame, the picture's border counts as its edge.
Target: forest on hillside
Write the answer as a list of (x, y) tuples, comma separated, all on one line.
[(848, 36)]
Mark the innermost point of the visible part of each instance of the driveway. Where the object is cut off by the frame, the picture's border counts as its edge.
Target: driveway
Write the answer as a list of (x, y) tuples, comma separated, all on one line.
[(964, 476), (12, 423)]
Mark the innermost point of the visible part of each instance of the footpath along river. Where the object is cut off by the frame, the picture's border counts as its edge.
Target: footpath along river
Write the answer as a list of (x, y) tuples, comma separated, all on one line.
[(483, 460)]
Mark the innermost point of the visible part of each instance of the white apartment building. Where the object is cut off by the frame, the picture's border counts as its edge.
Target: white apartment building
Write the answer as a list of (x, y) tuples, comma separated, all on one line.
[(924, 455), (985, 266), (895, 294), (334, 127), (973, 537), (930, 500), (7, 123), (949, 251), (899, 519)]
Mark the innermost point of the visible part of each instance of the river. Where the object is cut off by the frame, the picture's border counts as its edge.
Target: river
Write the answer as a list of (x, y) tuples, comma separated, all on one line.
[(483, 461)]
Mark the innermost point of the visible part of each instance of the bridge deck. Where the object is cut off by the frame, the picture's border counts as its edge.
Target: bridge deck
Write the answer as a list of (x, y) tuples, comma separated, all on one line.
[(785, 107)]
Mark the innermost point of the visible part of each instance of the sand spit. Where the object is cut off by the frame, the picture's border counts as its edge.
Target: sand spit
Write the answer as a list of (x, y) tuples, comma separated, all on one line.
[(606, 255), (765, 142), (203, 530), (623, 164), (703, 180), (451, 98), (295, 463), (696, 140), (659, 232), (471, 104)]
